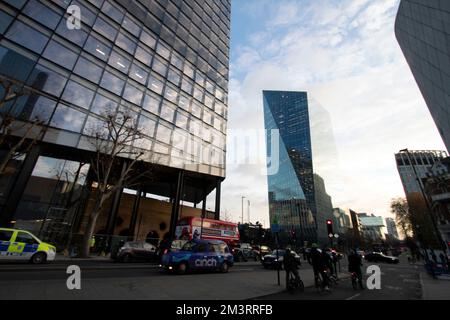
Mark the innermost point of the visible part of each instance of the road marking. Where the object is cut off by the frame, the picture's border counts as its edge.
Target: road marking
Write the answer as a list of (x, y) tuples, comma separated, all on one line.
[(393, 288), (353, 297)]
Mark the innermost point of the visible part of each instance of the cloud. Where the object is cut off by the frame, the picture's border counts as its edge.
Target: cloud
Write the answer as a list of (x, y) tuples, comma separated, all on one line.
[(344, 53)]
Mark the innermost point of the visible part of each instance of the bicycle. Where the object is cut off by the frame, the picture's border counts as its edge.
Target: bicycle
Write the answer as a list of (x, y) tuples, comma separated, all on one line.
[(354, 281), (295, 284), (320, 283)]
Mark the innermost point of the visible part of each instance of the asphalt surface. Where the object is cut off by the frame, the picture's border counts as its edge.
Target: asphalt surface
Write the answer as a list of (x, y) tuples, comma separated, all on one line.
[(398, 282)]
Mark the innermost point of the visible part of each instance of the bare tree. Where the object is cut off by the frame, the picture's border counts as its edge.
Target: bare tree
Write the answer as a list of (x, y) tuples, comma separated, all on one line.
[(399, 207), (11, 125), (113, 143)]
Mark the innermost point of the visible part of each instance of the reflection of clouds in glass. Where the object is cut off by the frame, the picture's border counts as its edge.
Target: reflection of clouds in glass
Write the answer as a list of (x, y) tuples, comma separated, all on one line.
[(68, 119), (325, 154)]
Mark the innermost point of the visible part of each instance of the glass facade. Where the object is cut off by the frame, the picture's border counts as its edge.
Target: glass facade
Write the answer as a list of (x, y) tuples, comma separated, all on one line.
[(291, 190), (164, 61), (422, 30)]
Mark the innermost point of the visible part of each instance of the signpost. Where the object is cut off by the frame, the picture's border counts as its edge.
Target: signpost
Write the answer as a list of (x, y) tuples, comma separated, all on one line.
[(275, 228)]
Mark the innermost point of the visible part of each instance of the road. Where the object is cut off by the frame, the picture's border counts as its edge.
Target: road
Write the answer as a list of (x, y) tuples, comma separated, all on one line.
[(108, 280), (398, 282)]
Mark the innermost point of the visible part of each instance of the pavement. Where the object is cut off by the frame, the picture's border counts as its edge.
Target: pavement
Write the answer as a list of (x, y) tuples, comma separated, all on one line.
[(435, 289)]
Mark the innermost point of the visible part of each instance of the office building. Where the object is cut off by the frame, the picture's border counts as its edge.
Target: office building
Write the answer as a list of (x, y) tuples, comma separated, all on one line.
[(423, 34), (163, 62), (391, 227)]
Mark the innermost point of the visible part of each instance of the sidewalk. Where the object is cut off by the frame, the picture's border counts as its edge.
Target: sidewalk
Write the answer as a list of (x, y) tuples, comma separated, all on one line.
[(434, 289)]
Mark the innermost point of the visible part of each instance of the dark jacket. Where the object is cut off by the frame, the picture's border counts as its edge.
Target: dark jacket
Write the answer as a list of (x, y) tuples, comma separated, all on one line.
[(316, 259), (354, 263), (289, 261)]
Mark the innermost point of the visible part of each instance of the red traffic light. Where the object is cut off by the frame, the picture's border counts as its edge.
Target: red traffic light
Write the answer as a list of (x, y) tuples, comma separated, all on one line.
[(329, 222)]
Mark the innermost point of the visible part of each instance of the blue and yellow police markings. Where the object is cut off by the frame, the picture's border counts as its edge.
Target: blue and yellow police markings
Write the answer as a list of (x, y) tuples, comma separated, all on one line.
[(17, 250)]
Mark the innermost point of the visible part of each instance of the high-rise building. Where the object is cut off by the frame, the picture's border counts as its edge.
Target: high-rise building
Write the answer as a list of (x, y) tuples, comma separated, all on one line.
[(163, 62), (297, 198), (371, 227), (391, 227), (422, 32), (413, 168)]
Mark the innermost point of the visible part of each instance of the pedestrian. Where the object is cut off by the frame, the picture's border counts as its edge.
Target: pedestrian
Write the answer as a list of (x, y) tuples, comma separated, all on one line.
[(317, 261)]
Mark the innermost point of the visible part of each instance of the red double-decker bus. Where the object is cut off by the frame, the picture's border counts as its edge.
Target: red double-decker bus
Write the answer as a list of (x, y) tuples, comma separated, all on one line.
[(189, 228)]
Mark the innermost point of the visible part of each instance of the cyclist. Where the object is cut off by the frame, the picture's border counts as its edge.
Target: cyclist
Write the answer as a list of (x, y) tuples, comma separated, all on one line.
[(290, 266), (316, 259), (354, 266)]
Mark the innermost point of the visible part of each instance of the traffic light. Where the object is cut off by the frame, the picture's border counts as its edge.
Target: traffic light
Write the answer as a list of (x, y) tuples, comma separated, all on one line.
[(330, 228)]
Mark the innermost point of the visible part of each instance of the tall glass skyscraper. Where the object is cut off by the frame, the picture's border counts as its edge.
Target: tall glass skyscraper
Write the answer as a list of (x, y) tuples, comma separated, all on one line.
[(164, 62), (422, 30), (292, 190)]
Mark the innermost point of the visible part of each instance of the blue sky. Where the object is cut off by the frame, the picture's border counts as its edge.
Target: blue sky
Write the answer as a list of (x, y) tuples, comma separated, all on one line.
[(344, 53)]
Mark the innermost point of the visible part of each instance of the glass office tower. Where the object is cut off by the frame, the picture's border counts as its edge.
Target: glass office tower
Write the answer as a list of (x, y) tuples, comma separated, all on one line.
[(293, 193), (422, 30), (164, 62)]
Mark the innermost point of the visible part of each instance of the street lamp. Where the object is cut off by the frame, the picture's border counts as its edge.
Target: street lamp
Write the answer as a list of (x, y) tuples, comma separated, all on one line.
[(419, 181)]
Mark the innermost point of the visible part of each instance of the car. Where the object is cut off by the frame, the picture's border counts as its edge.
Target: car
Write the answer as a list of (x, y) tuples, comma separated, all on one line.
[(21, 245), (275, 259), (244, 252), (380, 257), (198, 255), (262, 250), (136, 251)]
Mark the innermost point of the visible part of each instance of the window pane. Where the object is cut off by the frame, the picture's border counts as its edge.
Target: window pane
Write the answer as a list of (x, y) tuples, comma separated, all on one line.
[(76, 36), (160, 67), (126, 43), (133, 94), (112, 83), (144, 56), (61, 55), (147, 126), (130, 26), (42, 13), (27, 37), (68, 119), (139, 74), (46, 80), (88, 70), (155, 85), (112, 12), (77, 94), (105, 29), (97, 48), (167, 112), (152, 103), (148, 39), (103, 105), (164, 134), (119, 62)]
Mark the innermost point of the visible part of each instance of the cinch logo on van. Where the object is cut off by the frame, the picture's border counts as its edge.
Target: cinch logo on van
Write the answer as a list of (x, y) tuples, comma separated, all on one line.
[(205, 263)]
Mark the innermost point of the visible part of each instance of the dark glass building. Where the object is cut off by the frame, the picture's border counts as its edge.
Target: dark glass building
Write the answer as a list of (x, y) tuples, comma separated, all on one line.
[(422, 30), (293, 199), (164, 62)]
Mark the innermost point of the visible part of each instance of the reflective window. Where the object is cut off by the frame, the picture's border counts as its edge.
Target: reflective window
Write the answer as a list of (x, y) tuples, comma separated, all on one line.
[(167, 112), (47, 80), (159, 66), (163, 51), (177, 61), (174, 76), (132, 27), (198, 93), (152, 103), (126, 43), (68, 119), (148, 39), (187, 86), (133, 94), (112, 83), (189, 70), (27, 36), (105, 29), (35, 108), (97, 48), (5, 20), (182, 121), (42, 13), (119, 62), (77, 94), (144, 56), (61, 55), (139, 74), (147, 126), (76, 36), (103, 106), (171, 94), (155, 84), (163, 134), (112, 12), (88, 70), (185, 103)]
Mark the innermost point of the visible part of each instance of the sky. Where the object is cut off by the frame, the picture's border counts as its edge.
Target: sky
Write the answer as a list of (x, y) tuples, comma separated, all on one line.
[(345, 55)]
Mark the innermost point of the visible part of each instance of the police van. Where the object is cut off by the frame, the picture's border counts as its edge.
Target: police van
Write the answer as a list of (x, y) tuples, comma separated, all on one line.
[(22, 245), (199, 255)]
